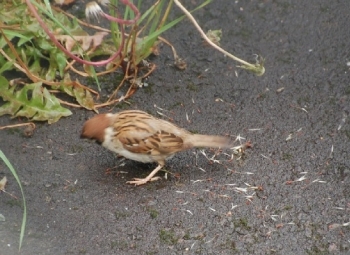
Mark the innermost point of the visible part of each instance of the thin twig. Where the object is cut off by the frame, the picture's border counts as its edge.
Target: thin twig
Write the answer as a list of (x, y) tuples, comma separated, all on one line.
[(259, 69), (31, 124)]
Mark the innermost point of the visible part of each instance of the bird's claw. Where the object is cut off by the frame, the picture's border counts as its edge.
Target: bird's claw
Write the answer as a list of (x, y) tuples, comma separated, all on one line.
[(140, 181)]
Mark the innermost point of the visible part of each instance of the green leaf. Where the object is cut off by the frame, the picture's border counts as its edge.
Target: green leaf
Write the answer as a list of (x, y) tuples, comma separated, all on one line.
[(10, 35), (32, 101), (84, 98), (14, 173), (61, 61), (35, 68), (6, 66)]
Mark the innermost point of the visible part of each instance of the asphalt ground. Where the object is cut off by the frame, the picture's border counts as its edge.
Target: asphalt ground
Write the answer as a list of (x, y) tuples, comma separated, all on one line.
[(288, 194)]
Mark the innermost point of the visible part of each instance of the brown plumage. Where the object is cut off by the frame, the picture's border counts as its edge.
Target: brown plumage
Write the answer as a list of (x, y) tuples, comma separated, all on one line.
[(140, 136)]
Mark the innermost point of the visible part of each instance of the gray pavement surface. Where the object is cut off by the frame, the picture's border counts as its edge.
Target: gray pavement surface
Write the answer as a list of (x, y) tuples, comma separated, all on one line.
[(290, 192)]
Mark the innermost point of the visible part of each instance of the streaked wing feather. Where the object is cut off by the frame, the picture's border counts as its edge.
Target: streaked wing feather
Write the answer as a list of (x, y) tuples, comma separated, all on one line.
[(169, 142), (134, 132), (155, 144)]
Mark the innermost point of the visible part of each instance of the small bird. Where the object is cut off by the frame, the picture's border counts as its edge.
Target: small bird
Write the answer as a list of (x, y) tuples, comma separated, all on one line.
[(142, 137)]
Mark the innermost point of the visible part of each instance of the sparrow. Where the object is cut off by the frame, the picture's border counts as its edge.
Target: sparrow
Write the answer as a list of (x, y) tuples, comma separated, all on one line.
[(142, 137)]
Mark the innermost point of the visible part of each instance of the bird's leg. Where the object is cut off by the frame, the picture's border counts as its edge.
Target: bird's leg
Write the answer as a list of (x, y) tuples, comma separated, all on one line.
[(139, 181)]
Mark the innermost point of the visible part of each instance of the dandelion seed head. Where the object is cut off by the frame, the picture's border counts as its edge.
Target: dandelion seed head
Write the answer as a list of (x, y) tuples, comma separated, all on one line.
[(93, 10)]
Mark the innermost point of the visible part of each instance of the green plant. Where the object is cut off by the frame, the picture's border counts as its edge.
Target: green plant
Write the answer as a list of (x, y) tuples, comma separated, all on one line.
[(168, 236), (48, 44), (45, 43), (14, 173)]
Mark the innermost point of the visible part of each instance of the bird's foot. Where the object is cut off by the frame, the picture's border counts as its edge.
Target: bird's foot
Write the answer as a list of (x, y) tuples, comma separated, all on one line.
[(140, 181)]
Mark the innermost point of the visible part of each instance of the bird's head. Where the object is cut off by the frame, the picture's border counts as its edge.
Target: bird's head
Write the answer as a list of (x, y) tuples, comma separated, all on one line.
[(94, 128)]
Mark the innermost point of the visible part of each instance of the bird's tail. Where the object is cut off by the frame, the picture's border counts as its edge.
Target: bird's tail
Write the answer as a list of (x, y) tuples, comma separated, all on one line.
[(210, 141)]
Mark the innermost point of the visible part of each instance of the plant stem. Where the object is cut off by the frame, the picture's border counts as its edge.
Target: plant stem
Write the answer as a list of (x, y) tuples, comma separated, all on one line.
[(189, 15)]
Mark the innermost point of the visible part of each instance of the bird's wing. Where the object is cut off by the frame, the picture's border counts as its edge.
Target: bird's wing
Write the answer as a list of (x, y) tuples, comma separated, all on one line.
[(156, 143), (136, 133)]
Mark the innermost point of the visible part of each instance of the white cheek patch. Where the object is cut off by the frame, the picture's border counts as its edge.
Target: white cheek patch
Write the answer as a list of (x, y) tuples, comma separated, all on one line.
[(108, 138)]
